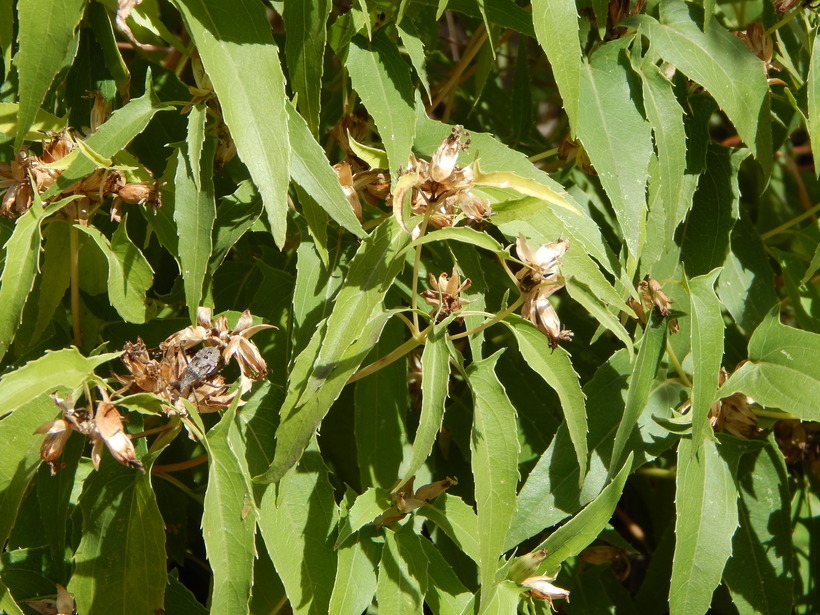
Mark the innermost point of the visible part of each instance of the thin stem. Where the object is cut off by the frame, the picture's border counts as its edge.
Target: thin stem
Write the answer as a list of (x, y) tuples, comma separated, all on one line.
[(497, 318), (395, 355), (148, 432), (673, 359), (416, 264), (773, 414), (473, 47), (786, 225), (549, 153), (74, 258), (182, 465), (782, 22), (413, 328)]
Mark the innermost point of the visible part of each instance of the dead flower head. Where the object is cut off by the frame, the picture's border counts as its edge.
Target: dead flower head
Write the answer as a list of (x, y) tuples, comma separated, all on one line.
[(541, 264), (541, 588), (540, 312), (177, 372), (651, 297), (444, 294), (105, 428), (345, 175)]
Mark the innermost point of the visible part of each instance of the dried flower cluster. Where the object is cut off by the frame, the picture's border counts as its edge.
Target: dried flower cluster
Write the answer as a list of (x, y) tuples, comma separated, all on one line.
[(444, 294), (731, 414), (179, 374), (799, 442), (28, 172), (761, 43), (175, 373), (541, 278), (103, 427), (617, 558), (541, 588), (406, 501)]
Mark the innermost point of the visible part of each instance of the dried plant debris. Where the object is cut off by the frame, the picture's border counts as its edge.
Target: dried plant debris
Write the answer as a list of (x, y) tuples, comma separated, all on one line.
[(29, 173)]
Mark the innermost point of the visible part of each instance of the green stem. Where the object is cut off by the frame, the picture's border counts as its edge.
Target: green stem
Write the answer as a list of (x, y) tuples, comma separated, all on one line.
[(395, 355), (547, 154), (74, 264), (497, 318), (786, 225), (673, 359)]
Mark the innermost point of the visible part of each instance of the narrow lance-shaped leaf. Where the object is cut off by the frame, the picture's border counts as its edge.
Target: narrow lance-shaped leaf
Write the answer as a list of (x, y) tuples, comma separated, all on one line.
[(381, 78), (129, 274), (229, 518), (640, 383), (45, 34), (721, 63), (297, 518), (402, 577), (706, 505), (120, 516), (574, 536), (813, 92), (781, 371), (556, 369), (355, 582), (231, 39), (304, 52), (556, 28), (494, 448), (616, 137), (666, 117), (352, 324), (19, 271), (707, 349), (311, 170), (435, 367), (195, 212)]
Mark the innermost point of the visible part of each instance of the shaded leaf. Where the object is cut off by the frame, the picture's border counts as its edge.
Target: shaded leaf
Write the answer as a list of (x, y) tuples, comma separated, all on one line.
[(230, 38)]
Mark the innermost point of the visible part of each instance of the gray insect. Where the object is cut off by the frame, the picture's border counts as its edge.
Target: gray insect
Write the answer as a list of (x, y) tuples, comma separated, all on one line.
[(204, 364)]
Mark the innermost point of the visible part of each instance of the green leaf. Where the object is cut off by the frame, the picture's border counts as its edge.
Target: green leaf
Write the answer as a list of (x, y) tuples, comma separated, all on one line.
[(230, 38), (705, 241), (461, 234), (706, 505), (575, 535), (380, 408), (666, 117), (435, 365), (352, 328), (720, 62), (616, 137), (494, 448), (43, 122), (112, 136), (456, 519), (381, 78), (120, 516), (229, 518), (402, 575), (781, 371), (304, 51), (55, 278), (556, 28), (45, 32), (415, 50), (20, 269), (235, 215), (195, 142), (21, 456), (312, 172), (195, 211), (760, 572), (297, 519), (62, 368), (7, 603), (445, 593), (355, 582), (813, 92), (556, 369), (707, 349), (640, 383), (129, 274)]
